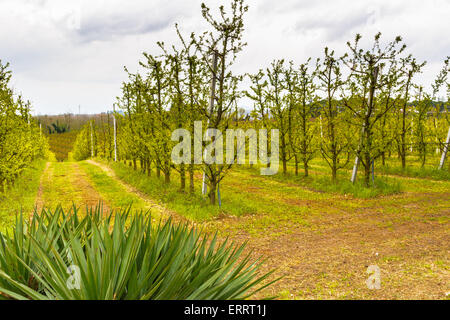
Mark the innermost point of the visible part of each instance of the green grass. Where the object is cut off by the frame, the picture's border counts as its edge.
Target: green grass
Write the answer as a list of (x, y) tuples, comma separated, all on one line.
[(418, 172), (392, 167), (319, 182), (381, 186), (193, 206), (22, 195), (273, 204), (242, 195), (111, 190), (58, 187), (245, 192)]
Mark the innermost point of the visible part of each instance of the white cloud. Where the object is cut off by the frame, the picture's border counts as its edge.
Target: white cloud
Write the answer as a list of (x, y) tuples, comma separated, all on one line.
[(69, 53)]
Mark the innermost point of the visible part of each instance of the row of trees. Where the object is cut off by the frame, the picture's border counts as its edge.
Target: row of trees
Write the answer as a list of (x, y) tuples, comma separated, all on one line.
[(181, 85), (363, 104), (95, 138), (21, 141)]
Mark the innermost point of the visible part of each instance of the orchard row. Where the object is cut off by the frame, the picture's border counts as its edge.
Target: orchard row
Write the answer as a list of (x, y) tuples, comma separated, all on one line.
[(21, 140), (365, 104)]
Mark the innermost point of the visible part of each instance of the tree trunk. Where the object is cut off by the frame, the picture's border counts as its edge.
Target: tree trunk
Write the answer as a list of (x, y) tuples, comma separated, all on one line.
[(367, 171), (167, 177), (149, 168), (403, 156), (283, 154), (334, 174), (305, 164), (212, 193), (191, 178), (182, 177), (158, 169), (403, 134)]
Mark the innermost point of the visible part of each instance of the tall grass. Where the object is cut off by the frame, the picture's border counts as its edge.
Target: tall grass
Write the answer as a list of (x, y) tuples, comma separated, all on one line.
[(418, 172), (21, 195), (380, 186), (322, 183), (65, 256)]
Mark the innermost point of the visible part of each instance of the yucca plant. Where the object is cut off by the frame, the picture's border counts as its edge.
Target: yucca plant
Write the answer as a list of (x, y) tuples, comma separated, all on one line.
[(121, 256)]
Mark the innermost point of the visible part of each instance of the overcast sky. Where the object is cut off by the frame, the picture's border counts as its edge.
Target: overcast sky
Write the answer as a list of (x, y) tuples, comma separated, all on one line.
[(66, 54)]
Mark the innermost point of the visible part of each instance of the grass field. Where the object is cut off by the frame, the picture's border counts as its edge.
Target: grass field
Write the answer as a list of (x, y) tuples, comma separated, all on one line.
[(319, 237), (22, 195)]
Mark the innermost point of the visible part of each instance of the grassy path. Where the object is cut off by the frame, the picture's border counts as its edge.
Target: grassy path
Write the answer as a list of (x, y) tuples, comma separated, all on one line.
[(88, 183), (66, 184), (121, 194)]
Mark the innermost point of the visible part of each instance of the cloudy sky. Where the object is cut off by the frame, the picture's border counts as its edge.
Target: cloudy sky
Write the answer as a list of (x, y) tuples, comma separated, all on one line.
[(66, 54)]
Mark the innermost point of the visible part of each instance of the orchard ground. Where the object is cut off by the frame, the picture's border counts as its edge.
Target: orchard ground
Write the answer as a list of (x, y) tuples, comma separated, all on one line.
[(319, 237)]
